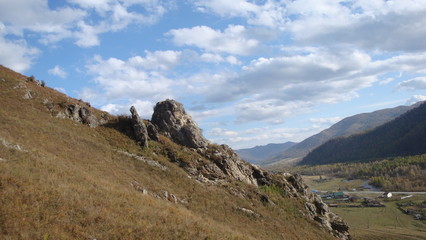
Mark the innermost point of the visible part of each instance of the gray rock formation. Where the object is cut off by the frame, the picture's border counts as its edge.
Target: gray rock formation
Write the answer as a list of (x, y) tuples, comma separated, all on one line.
[(315, 208), (219, 163), (231, 165), (172, 121), (79, 114), (139, 128), (152, 131)]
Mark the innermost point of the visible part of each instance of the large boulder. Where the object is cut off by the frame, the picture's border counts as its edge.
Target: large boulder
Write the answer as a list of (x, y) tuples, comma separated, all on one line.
[(172, 121)]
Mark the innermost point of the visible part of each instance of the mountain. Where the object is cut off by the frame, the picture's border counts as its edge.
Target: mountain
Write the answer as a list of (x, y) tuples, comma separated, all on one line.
[(403, 136), (258, 154), (71, 171), (347, 126)]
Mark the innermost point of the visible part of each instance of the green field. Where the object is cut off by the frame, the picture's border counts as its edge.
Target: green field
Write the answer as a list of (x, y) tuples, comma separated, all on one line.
[(374, 223), (331, 183), (382, 223)]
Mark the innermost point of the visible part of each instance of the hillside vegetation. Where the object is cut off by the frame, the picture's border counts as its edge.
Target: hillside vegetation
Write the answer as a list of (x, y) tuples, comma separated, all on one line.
[(62, 179), (391, 174), (403, 136)]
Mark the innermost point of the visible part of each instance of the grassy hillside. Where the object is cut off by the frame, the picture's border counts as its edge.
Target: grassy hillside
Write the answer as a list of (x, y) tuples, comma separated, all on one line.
[(64, 180)]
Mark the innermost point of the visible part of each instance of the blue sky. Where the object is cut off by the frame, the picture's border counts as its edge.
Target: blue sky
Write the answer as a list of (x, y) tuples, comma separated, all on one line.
[(249, 72)]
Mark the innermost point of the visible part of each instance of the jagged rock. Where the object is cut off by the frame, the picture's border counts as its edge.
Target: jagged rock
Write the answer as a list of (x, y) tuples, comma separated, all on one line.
[(79, 114), (152, 131), (139, 128), (315, 208), (231, 165), (172, 121), (221, 163)]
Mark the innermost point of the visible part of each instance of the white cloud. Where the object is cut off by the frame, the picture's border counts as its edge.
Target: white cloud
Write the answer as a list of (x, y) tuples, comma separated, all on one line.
[(272, 89), (260, 136), (372, 25), (222, 132), (59, 89), (417, 83), (163, 60), (269, 110), (76, 21), (35, 15), (233, 40), (120, 79), (143, 78), (57, 71), (17, 55), (415, 99), (144, 108), (270, 13), (331, 120)]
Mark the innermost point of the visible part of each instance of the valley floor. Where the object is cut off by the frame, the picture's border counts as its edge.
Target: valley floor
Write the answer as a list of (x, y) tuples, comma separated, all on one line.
[(371, 223)]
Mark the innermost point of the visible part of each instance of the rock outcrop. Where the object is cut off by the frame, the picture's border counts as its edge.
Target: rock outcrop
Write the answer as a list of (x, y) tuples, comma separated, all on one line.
[(232, 166), (220, 163), (139, 128), (315, 208), (80, 114), (172, 121), (152, 131)]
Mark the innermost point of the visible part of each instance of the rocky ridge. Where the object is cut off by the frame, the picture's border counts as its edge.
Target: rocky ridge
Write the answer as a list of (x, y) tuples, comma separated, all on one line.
[(223, 163), (219, 163)]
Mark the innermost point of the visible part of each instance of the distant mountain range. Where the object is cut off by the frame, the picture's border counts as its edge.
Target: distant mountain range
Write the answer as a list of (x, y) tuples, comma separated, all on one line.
[(346, 127), (259, 154), (403, 136)]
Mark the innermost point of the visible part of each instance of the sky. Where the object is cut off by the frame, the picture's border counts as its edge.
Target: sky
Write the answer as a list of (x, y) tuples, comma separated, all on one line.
[(249, 72)]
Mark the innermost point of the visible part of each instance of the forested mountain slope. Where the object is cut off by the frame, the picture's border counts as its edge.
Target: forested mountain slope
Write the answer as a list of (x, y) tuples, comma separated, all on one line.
[(403, 136), (347, 126)]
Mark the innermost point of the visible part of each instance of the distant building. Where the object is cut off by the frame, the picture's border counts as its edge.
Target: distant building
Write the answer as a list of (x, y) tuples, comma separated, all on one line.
[(387, 195), (338, 195)]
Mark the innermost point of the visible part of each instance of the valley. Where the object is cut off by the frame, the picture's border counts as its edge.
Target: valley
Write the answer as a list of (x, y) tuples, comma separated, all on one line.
[(387, 221)]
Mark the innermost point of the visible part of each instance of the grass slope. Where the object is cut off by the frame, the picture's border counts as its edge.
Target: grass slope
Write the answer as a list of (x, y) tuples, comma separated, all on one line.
[(64, 180)]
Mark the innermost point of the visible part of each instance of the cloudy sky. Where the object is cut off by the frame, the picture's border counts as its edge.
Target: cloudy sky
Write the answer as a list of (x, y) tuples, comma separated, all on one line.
[(250, 72)]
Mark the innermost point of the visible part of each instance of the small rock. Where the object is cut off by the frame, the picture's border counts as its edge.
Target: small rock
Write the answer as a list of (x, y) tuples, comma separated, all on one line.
[(248, 212), (28, 95)]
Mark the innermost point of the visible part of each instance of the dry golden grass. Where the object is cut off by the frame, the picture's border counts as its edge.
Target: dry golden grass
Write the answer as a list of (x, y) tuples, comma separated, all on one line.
[(68, 181)]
